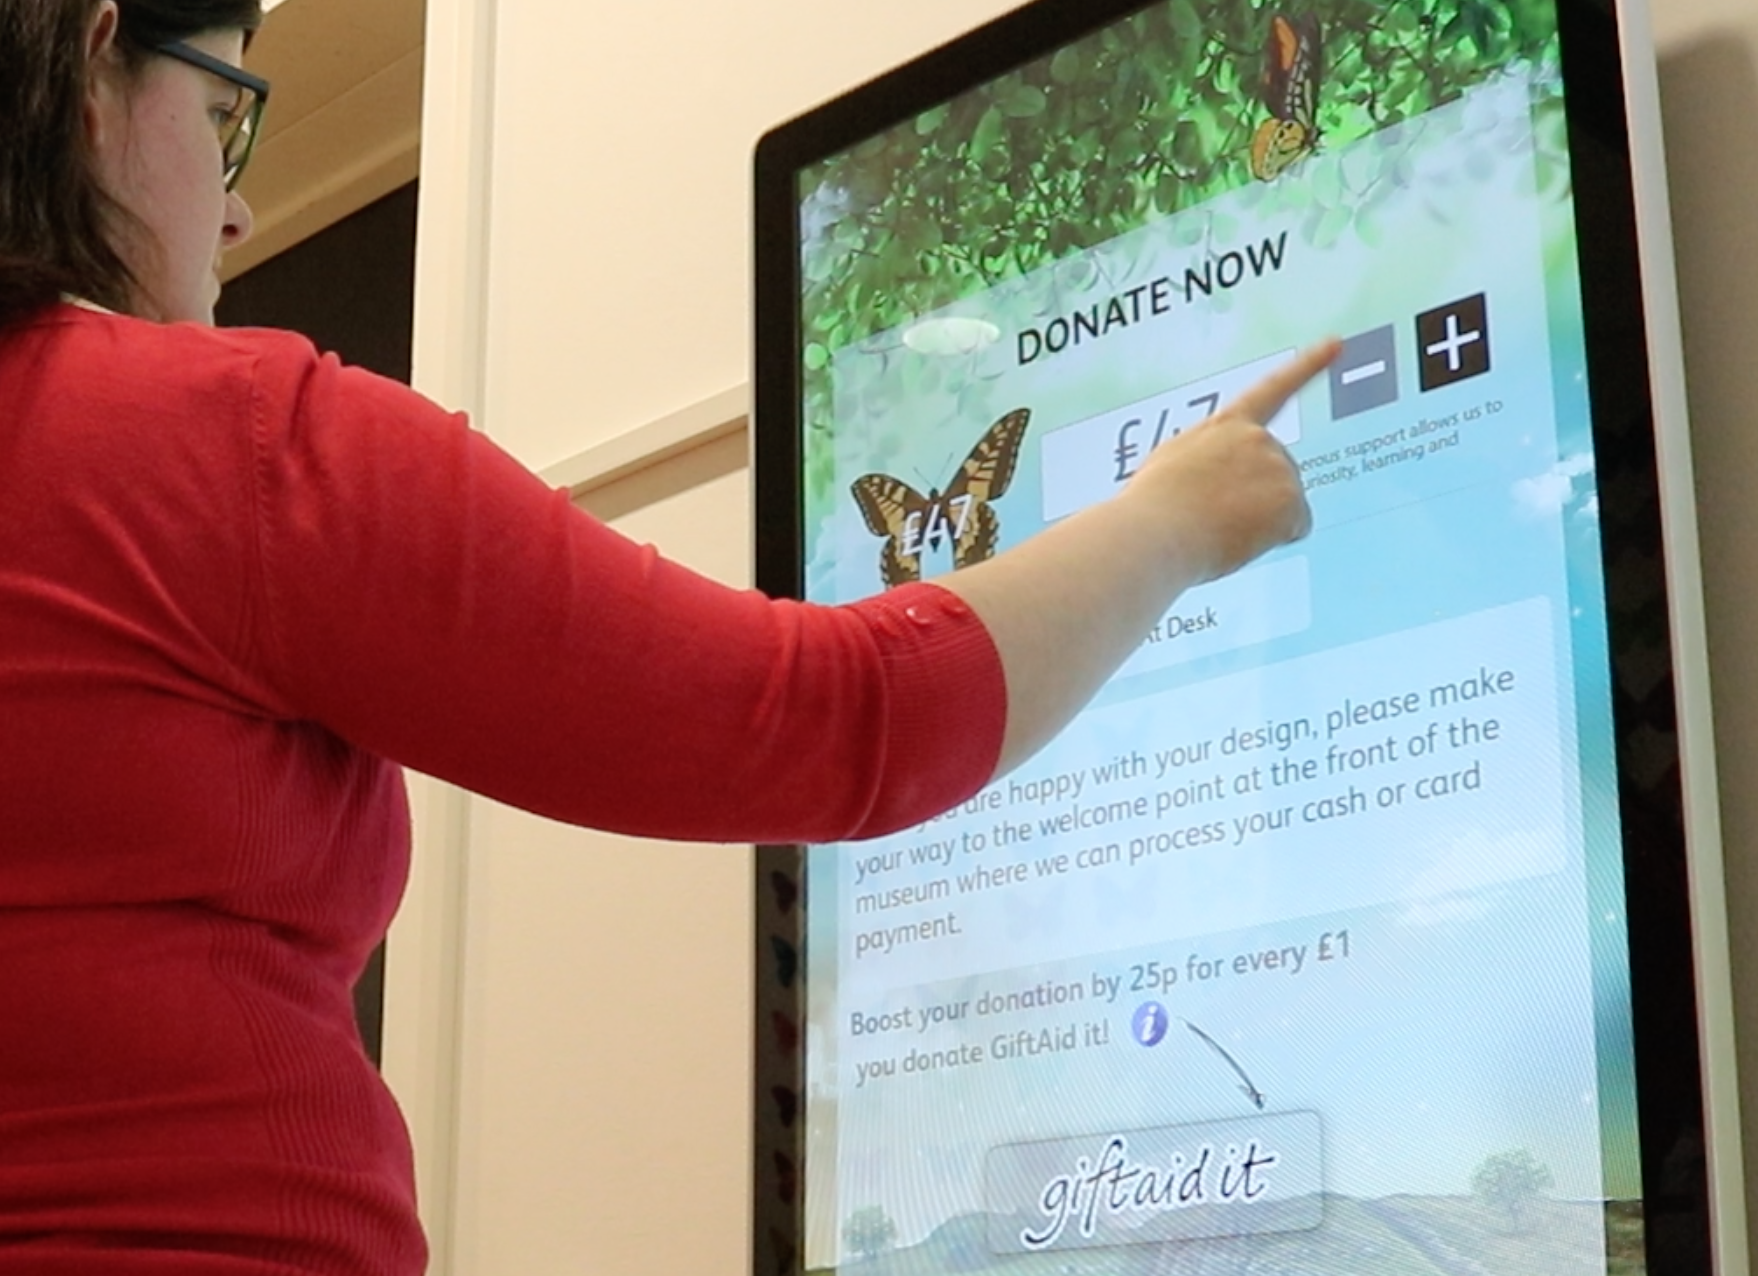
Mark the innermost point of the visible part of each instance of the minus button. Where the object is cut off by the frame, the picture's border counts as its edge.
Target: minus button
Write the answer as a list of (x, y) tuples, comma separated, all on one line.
[(1365, 375)]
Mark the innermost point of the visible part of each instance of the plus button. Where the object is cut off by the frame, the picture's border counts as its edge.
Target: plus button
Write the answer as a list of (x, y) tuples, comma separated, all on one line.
[(1454, 342)]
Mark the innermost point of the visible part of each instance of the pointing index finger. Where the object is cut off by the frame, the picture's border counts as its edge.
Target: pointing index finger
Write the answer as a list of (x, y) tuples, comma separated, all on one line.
[(1263, 400)]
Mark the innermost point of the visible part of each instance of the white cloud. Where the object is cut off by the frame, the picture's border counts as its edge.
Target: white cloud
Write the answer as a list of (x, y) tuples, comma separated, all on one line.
[(1546, 494), (1443, 909)]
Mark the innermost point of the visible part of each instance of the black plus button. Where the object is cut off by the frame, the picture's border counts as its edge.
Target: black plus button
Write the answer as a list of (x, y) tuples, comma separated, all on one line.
[(1452, 342)]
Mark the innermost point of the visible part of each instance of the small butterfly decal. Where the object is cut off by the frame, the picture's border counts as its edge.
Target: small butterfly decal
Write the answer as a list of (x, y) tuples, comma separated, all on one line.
[(787, 1177), (787, 960), (787, 1032), (911, 522), (1293, 66), (786, 890), (787, 1104), (785, 1253)]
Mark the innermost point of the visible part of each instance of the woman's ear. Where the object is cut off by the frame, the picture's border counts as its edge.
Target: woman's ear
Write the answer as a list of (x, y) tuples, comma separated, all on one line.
[(102, 62), (101, 34)]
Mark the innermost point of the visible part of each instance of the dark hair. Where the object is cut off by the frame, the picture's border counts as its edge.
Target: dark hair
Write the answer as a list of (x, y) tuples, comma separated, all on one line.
[(53, 214)]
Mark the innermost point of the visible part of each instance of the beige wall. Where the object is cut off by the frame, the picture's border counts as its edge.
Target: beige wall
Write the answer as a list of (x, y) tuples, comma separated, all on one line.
[(584, 273), (621, 229), (1709, 75), (605, 1079)]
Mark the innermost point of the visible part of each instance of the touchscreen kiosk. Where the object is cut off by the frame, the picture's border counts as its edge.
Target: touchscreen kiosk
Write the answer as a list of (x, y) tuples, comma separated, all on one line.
[(1354, 927)]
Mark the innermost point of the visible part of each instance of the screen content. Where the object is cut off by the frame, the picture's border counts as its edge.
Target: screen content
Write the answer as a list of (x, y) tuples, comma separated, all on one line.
[(1303, 949)]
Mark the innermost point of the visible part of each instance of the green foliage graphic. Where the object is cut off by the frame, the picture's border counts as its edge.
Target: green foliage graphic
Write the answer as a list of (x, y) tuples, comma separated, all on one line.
[(1138, 121)]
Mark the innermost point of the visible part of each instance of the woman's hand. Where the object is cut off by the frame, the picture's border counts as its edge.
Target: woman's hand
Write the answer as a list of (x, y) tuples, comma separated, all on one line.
[(1226, 489), (1068, 606)]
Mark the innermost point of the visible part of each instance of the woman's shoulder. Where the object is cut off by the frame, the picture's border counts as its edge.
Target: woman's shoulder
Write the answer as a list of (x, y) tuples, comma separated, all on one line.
[(173, 351), (273, 372), (100, 382)]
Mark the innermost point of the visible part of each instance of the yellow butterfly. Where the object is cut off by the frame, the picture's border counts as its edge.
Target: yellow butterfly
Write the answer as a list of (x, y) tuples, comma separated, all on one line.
[(1293, 64), (911, 522), (1277, 145)]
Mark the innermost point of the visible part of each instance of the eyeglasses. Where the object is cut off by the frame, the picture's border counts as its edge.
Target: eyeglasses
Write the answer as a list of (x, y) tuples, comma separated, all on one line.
[(239, 128)]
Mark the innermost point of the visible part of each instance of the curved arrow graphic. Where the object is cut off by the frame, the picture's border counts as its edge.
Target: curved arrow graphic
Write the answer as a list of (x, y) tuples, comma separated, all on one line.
[(1251, 1091)]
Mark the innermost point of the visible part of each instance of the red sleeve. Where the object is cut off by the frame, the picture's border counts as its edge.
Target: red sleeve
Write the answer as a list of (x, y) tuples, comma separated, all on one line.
[(429, 599)]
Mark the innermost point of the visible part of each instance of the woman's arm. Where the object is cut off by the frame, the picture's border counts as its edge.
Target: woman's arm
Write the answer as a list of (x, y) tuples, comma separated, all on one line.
[(1068, 606), (426, 598)]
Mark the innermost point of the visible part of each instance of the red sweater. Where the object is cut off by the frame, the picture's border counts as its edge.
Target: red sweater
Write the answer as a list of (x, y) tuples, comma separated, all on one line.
[(239, 583)]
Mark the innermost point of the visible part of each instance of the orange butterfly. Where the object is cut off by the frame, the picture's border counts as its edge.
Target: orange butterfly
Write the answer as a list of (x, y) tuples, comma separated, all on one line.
[(911, 522), (1293, 64)]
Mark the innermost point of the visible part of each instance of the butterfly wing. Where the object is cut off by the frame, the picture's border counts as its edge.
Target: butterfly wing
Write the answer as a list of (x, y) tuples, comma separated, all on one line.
[(988, 470), (1293, 66), (1277, 145), (897, 567), (1281, 49), (886, 502), (982, 531), (1300, 97), (887, 505), (985, 476)]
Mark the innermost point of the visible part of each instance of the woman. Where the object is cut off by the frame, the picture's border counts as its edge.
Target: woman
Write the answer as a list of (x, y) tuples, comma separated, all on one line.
[(240, 584)]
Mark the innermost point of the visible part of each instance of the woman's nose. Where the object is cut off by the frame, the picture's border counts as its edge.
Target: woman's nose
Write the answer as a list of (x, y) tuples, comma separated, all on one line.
[(239, 221)]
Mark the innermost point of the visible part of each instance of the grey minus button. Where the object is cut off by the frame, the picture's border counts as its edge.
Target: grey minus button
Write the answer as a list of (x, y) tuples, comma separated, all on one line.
[(1363, 372)]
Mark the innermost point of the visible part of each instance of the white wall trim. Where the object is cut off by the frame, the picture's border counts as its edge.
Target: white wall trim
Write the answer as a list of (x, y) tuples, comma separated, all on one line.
[(425, 962), (621, 455)]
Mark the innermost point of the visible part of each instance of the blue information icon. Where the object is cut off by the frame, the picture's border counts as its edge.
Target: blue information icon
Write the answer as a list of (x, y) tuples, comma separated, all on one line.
[(1148, 1027)]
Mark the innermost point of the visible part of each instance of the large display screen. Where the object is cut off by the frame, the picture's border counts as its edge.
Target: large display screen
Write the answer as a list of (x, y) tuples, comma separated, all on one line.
[(1307, 946)]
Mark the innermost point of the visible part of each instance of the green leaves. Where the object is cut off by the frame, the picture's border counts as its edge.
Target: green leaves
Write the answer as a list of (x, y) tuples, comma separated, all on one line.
[(1137, 122), (1024, 102), (928, 121), (988, 133), (1186, 23)]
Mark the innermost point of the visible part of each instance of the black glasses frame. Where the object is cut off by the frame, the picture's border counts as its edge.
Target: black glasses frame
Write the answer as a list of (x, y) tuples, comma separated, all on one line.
[(249, 122)]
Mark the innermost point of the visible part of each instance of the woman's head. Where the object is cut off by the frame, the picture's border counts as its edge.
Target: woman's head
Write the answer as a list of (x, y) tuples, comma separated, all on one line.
[(111, 176)]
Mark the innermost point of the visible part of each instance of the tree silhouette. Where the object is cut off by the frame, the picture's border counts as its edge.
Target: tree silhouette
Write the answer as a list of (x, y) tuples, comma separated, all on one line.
[(869, 1231), (1509, 1182)]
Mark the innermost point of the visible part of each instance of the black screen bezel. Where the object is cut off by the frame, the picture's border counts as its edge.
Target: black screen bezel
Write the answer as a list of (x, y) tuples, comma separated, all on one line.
[(1667, 1031)]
